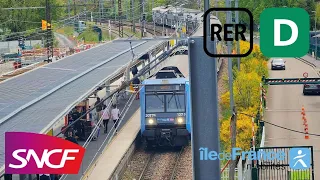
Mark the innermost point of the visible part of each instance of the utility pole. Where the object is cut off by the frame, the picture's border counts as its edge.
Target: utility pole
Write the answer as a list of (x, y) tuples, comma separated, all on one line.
[(163, 15), (237, 22), (74, 7), (133, 22), (100, 10), (204, 104), (233, 128), (153, 19), (49, 43), (115, 12), (216, 5), (143, 19), (69, 9), (120, 18), (232, 106)]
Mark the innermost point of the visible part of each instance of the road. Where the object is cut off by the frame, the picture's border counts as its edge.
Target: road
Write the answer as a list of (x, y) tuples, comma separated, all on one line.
[(64, 41), (284, 109)]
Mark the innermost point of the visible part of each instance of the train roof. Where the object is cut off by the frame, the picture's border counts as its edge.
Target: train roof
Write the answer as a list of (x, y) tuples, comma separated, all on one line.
[(166, 81), (176, 9)]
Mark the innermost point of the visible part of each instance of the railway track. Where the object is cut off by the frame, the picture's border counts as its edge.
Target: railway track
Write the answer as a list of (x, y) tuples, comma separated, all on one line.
[(161, 165), (154, 165), (149, 28)]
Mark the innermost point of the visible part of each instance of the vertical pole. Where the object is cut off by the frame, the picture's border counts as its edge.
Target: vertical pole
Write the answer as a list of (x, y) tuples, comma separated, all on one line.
[(108, 92), (204, 103), (232, 107), (238, 43), (100, 12), (253, 134), (49, 43), (144, 21), (127, 9), (110, 30), (216, 5), (115, 11), (316, 48), (141, 16), (162, 24), (120, 18), (153, 19), (69, 3), (315, 21), (74, 7), (133, 17)]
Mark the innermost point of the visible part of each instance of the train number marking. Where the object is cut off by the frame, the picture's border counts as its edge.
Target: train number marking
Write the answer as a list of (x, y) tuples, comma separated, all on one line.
[(181, 114), (150, 115)]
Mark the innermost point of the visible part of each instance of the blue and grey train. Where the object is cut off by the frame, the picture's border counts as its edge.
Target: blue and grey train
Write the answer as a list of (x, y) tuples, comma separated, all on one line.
[(165, 112)]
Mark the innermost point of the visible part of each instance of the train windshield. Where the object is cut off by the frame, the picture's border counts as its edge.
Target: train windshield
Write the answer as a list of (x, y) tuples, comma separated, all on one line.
[(175, 103), (159, 103), (154, 103)]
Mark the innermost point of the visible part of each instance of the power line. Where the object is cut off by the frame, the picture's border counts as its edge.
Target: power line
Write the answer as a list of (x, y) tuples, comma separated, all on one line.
[(292, 130)]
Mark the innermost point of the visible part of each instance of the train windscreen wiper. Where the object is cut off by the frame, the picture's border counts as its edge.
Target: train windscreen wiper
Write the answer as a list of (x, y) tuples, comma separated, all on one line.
[(158, 97)]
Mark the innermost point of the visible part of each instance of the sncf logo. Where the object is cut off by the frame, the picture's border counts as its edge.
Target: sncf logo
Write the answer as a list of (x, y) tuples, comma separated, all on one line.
[(30, 153)]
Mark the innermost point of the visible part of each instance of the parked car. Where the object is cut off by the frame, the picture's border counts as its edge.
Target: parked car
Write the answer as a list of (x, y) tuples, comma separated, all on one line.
[(278, 64), (311, 89)]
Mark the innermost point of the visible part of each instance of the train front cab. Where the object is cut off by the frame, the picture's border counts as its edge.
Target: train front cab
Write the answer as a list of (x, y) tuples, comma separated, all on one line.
[(165, 115)]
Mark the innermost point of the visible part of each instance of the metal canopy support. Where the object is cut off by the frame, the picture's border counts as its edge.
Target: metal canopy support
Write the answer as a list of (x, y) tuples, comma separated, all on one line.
[(204, 99)]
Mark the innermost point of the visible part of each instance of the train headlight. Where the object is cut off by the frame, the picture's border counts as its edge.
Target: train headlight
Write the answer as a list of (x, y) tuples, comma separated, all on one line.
[(151, 121), (180, 120)]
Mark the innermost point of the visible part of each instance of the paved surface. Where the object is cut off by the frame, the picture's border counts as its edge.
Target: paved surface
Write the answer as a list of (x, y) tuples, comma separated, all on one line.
[(284, 109), (312, 60), (6, 67), (23, 89), (93, 146), (64, 41)]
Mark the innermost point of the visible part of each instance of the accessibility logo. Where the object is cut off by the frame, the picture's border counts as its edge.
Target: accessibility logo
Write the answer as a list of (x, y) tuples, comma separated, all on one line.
[(299, 158), (284, 32)]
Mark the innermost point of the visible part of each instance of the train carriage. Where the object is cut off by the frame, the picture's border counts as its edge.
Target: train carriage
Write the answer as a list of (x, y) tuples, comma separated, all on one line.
[(166, 111)]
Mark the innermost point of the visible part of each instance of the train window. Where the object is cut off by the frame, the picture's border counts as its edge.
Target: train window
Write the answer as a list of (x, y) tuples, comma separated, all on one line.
[(154, 103), (175, 103)]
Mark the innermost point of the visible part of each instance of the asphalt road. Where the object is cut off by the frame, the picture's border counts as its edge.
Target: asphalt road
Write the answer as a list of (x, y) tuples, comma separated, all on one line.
[(284, 109)]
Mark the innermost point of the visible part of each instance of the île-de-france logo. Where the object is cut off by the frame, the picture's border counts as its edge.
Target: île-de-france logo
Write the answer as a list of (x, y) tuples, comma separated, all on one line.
[(31, 153), (299, 158)]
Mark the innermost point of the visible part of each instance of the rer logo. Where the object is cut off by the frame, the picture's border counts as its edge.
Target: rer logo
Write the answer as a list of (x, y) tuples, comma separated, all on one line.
[(284, 32), (299, 158), (30, 153), (219, 33)]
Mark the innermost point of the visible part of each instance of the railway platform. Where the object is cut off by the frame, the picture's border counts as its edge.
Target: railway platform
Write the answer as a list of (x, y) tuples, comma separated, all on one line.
[(105, 166)]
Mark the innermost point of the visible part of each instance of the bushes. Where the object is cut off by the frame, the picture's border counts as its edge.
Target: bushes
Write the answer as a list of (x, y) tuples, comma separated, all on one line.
[(246, 89)]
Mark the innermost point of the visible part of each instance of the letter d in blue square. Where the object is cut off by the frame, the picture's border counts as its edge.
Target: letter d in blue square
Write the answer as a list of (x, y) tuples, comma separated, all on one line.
[(299, 158)]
